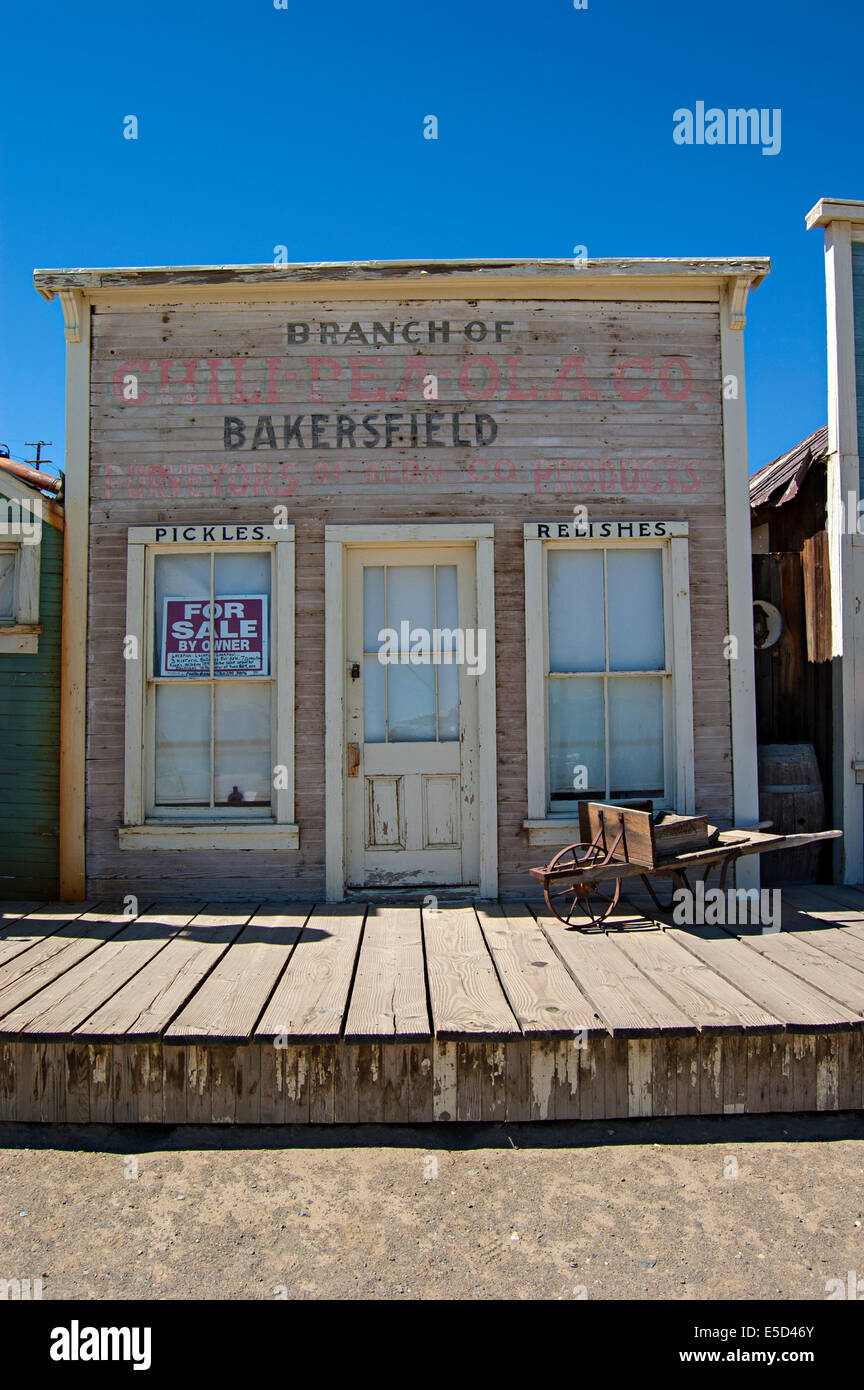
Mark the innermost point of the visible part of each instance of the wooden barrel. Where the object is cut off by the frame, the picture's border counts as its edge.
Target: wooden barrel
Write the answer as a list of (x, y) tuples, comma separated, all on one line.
[(790, 795)]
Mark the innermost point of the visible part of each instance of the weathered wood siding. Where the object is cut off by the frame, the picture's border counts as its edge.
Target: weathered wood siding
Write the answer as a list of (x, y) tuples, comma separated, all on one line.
[(577, 439), (29, 746)]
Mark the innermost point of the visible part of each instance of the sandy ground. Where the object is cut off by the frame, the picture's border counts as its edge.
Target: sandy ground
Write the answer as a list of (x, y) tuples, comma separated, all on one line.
[(742, 1207)]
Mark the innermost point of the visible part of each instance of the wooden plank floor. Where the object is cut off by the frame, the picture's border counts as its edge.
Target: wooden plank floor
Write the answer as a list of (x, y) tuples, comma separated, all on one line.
[(277, 1013)]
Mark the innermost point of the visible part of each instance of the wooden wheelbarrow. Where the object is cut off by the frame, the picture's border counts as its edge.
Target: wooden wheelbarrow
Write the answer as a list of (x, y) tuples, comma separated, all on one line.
[(625, 842)]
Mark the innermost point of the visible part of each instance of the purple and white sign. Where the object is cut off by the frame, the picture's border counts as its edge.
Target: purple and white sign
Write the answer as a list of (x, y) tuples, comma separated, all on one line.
[(239, 631)]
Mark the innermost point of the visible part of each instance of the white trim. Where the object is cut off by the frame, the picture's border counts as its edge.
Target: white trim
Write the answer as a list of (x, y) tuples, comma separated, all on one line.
[(13, 643), (739, 590), (21, 637), (682, 676), (845, 556), (336, 539), (283, 670), (27, 585), (136, 628), (137, 832), (406, 533), (829, 210), (540, 823), (554, 830), (334, 715), (487, 755), (45, 508), (536, 639), (76, 551), (180, 837)]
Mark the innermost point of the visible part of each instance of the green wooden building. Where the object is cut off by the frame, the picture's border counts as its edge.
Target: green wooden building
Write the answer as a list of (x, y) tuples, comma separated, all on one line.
[(31, 582)]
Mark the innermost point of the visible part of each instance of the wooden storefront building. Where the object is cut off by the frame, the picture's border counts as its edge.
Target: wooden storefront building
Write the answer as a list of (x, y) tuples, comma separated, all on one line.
[(31, 576), (531, 476)]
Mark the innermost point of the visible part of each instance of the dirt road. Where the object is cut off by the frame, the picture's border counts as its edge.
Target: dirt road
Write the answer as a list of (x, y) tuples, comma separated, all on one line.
[(769, 1207)]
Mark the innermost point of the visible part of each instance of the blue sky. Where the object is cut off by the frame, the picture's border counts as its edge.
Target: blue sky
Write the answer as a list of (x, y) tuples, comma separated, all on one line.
[(303, 127)]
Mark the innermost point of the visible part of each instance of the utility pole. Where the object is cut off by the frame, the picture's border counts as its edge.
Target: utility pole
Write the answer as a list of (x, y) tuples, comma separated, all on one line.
[(38, 445)]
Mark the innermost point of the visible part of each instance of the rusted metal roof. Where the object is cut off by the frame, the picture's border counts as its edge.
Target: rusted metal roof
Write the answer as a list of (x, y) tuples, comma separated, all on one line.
[(779, 480)]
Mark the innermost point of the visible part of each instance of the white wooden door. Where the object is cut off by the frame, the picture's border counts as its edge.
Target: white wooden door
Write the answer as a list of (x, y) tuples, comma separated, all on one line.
[(411, 712)]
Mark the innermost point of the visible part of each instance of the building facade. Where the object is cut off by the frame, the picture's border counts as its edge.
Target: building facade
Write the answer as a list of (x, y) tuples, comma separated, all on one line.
[(843, 224), (374, 570), (31, 570)]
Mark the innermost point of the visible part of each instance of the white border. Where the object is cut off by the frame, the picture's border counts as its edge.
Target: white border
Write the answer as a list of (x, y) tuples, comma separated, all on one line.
[(846, 553), (675, 545), (280, 832), (336, 538), (739, 587)]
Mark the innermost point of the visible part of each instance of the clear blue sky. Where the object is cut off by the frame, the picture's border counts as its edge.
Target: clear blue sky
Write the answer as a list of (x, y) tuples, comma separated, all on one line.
[(303, 127)]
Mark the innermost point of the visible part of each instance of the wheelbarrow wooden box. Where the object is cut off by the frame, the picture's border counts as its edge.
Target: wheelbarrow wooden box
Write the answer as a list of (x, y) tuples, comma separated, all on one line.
[(644, 841), (625, 841)]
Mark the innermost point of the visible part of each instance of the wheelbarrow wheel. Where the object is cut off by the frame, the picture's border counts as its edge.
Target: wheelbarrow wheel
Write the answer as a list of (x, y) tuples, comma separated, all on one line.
[(592, 900)]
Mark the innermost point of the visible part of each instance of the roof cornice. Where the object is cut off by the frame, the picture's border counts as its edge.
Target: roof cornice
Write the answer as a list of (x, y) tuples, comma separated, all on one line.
[(834, 210), (395, 276)]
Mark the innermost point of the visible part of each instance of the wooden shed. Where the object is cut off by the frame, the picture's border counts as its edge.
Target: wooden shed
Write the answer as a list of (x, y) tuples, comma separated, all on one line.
[(796, 665), (31, 578), (375, 569)]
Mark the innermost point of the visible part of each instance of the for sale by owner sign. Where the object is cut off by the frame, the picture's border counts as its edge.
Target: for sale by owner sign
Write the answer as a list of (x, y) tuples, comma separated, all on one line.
[(237, 628)]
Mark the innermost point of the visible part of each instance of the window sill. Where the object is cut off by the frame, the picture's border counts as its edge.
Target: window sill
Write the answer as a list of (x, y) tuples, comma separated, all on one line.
[(222, 836), (20, 639), (552, 831)]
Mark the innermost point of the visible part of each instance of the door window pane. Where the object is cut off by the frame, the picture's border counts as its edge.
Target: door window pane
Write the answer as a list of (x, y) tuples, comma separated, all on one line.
[(635, 589), (374, 613), (411, 703), (242, 750), (448, 606), (183, 745), (410, 597), (7, 586), (417, 701), (374, 701), (448, 704), (576, 626), (576, 735), (636, 737)]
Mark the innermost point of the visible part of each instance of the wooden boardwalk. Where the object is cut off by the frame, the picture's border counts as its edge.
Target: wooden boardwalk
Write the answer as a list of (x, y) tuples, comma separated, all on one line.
[(251, 1013)]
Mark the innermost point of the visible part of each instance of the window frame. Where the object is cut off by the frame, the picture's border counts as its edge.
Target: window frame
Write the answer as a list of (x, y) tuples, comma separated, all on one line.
[(144, 824), (543, 824), (21, 636)]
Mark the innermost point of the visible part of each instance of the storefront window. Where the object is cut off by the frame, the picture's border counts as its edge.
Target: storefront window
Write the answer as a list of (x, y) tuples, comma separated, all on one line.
[(211, 681), (7, 585), (209, 688), (608, 667), (607, 673)]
